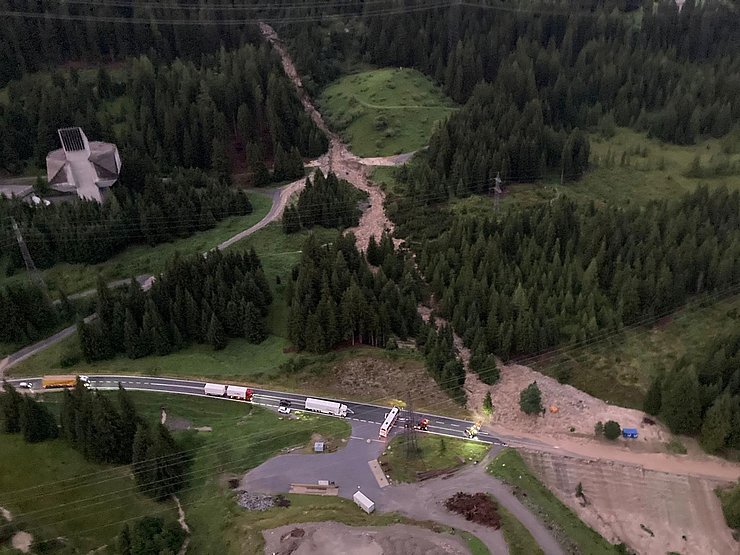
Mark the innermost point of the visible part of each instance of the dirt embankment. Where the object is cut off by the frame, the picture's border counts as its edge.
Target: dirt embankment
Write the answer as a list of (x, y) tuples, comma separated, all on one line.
[(653, 512), (569, 412), (330, 538)]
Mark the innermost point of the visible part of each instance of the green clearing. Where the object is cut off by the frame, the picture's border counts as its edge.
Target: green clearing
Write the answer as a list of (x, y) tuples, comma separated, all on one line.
[(435, 453), (242, 436), (56, 509), (579, 537), (145, 259), (385, 111), (518, 538), (620, 368), (652, 171)]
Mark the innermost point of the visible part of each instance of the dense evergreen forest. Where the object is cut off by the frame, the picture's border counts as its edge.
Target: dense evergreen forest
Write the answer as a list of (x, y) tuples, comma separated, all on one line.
[(531, 80), (701, 394), (334, 297), (201, 299), (27, 315), (87, 232), (165, 115), (563, 272), (325, 201)]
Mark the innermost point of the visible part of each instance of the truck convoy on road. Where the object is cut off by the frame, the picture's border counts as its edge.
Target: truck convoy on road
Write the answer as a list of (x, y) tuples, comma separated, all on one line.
[(67, 380), (231, 391), (326, 407)]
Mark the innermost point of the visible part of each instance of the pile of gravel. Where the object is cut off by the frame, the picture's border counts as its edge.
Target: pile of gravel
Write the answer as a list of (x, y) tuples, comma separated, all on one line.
[(255, 501)]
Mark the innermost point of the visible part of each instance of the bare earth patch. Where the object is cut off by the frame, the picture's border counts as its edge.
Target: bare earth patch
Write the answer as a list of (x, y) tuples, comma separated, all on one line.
[(388, 380), (22, 541), (653, 512), (331, 538), (575, 409)]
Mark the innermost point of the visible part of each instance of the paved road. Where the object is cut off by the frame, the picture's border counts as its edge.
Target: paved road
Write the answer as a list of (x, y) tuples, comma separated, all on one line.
[(349, 468), (363, 413)]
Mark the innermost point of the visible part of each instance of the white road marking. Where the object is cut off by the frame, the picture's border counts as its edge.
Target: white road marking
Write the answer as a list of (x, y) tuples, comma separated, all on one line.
[(455, 425)]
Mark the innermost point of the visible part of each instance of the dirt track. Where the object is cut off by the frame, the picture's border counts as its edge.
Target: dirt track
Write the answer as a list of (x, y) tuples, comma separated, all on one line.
[(339, 159)]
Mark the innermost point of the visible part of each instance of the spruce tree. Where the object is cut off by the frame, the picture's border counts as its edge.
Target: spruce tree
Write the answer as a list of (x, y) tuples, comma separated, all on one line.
[(10, 405), (530, 399), (488, 403), (254, 327), (37, 422), (130, 421), (680, 402), (141, 466), (216, 336), (717, 424)]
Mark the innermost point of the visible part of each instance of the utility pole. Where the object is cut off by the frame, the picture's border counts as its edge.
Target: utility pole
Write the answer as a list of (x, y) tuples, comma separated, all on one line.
[(497, 191), (412, 449), (33, 273)]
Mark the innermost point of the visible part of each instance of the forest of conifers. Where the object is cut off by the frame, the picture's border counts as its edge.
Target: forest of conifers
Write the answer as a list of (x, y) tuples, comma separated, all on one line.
[(532, 86)]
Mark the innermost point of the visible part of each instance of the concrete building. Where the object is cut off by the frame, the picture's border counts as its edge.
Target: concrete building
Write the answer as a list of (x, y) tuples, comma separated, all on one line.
[(87, 169)]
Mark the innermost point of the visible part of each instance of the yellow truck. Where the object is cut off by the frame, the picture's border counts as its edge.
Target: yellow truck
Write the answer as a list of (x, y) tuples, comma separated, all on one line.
[(69, 380)]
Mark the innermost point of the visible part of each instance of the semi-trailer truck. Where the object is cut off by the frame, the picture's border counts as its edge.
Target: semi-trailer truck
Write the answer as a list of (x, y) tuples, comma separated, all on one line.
[(239, 392), (215, 389), (326, 407), (67, 380)]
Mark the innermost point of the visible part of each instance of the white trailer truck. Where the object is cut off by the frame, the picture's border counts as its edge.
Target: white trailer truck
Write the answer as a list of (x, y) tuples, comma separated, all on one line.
[(326, 407), (215, 389), (239, 392), (363, 502)]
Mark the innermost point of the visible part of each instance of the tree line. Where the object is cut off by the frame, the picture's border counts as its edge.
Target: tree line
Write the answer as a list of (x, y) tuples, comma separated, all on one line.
[(22, 414), (442, 362), (334, 297), (103, 431), (201, 299), (533, 85), (561, 273), (27, 314), (87, 232), (230, 105), (325, 201), (701, 394)]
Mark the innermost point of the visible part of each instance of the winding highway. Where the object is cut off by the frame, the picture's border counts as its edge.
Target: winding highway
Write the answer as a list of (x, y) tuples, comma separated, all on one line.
[(360, 412)]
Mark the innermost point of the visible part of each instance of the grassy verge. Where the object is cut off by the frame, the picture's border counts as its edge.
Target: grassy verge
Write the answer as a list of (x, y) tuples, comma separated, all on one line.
[(144, 259), (239, 437), (240, 361), (435, 453), (574, 533), (620, 369), (385, 111), (518, 538), (730, 500), (476, 546)]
